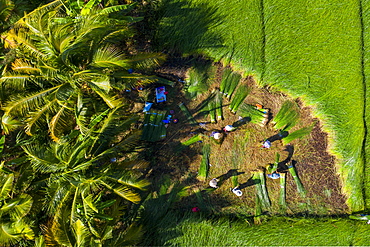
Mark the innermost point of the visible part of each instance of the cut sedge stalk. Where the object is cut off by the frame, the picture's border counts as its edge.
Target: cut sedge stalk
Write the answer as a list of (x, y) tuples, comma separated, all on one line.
[(204, 165), (188, 115), (282, 200), (233, 83), (300, 188), (239, 96), (224, 81)]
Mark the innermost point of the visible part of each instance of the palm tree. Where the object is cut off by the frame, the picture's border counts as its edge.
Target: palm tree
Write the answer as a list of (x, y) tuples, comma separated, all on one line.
[(13, 209), (85, 192), (67, 63)]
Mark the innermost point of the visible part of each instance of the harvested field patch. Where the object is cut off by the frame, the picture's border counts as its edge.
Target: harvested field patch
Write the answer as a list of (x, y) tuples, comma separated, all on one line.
[(241, 151)]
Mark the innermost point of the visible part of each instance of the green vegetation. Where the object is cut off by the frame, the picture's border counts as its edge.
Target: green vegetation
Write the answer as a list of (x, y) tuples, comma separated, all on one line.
[(261, 190), (187, 114), (282, 197), (287, 116), (365, 7), (224, 30), (246, 110), (74, 170), (311, 50), (276, 232), (307, 44), (297, 181), (200, 76), (204, 165), (239, 96), (297, 134), (154, 128), (193, 139)]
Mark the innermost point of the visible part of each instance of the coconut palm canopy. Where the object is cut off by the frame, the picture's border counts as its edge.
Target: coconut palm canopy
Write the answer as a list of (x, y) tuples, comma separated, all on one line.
[(67, 67), (86, 185)]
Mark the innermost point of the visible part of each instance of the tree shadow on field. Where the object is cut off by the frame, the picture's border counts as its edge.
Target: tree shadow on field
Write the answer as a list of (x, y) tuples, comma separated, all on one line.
[(185, 27)]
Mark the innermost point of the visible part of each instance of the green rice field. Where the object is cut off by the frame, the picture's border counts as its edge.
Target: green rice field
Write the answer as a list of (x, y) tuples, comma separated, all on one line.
[(194, 230), (315, 50)]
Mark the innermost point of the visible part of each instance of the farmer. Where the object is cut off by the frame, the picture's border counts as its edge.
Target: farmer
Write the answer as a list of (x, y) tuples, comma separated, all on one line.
[(237, 191), (266, 144), (213, 183), (274, 175), (229, 128), (217, 135)]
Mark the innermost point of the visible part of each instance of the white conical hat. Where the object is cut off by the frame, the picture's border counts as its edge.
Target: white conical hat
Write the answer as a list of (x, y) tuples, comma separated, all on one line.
[(237, 192), (217, 135)]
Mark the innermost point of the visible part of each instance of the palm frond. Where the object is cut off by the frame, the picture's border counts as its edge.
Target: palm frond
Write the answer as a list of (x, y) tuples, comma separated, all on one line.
[(58, 194), (109, 57), (59, 123), (80, 233), (13, 232), (111, 126), (89, 202), (111, 101), (6, 184), (22, 105), (9, 124), (40, 241), (16, 80), (129, 181), (146, 60), (125, 8), (125, 145), (43, 159), (60, 230), (17, 208), (35, 118), (24, 66), (127, 193)]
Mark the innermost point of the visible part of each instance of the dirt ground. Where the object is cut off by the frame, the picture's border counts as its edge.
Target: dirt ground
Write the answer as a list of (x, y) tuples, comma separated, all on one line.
[(241, 151)]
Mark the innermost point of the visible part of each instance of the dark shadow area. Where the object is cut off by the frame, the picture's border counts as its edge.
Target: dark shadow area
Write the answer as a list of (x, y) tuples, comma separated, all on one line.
[(278, 136), (241, 122), (226, 176), (185, 27), (283, 165), (250, 182)]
